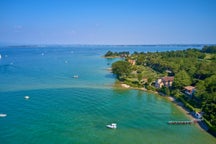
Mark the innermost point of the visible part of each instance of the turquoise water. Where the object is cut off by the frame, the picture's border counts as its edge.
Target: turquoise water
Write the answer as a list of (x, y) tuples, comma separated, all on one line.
[(62, 109)]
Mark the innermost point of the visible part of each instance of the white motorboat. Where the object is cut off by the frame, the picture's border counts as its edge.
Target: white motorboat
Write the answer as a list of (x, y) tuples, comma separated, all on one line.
[(3, 115), (75, 76), (26, 97), (112, 126)]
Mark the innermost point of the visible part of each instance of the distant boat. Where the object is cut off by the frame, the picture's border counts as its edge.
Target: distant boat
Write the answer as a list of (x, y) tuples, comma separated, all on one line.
[(0, 56), (3, 115), (75, 76), (112, 126), (26, 97)]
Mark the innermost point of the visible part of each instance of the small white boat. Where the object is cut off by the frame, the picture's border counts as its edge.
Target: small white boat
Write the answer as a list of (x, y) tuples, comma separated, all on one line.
[(112, 126), (3, 115), (26, 97), (75, 76), (0, 56)]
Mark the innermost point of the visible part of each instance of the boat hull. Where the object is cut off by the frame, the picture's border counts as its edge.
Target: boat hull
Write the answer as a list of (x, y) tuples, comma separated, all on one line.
[(111, 126), (3, 115)]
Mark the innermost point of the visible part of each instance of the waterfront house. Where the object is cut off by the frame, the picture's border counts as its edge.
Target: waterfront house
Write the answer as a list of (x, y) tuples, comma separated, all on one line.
[(164, 81), (189, 90)]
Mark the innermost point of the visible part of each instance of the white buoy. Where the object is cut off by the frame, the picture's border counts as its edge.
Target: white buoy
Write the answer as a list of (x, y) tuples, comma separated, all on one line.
[(3, 115), (26, 97)]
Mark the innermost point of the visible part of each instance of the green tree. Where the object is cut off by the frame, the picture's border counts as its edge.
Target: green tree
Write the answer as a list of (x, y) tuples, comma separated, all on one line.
[(167, 91), (121, 68), (209, 49), (176, 93), (139, 77), (109, 53), (200, 89), (182, 79), (206, 69), (140, 60), (210, 84), (150, 79)]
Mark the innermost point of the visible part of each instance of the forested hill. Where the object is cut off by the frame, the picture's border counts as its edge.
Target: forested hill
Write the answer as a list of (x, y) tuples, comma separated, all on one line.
[(191, 67)]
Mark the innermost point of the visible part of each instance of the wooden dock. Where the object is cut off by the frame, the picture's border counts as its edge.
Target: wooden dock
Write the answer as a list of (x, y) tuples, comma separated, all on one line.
[(182, 122)]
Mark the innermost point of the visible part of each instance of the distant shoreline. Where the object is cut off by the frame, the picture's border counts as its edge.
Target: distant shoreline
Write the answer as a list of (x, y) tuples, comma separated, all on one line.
[(111, 57), (86, 45)]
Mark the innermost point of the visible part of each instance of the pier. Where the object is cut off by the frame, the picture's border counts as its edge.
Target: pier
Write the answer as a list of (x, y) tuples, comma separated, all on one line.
[(182, 122)]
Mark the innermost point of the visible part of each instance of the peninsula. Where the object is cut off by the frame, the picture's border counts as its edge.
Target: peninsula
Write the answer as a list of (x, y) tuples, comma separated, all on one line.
[(188, 76)]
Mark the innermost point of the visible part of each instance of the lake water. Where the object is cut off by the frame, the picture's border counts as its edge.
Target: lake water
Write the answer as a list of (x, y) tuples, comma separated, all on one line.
[(63, 109)]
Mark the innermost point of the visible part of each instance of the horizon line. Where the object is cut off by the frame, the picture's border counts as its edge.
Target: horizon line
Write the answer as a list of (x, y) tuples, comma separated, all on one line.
[(168, 44)]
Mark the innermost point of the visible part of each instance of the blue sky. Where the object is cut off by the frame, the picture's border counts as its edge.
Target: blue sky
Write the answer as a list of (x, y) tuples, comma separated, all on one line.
[(107, 21)]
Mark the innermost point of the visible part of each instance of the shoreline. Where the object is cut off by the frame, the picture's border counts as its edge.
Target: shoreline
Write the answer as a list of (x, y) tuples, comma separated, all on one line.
[(123, 85), (200, 124), (185, 111), (179, 105)]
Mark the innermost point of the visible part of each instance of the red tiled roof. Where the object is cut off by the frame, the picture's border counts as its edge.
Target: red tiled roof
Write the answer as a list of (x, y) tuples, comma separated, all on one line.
[(189, 88), (168, 79)]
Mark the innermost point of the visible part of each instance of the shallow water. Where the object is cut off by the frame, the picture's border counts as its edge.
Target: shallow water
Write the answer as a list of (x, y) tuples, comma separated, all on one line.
[(62, 109)]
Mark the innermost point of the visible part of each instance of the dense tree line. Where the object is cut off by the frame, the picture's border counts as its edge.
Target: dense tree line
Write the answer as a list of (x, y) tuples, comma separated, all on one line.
[(117, 54), (209, 49), (189, 67)]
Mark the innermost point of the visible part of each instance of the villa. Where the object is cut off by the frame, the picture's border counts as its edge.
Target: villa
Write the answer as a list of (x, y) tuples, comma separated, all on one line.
[(164, 81)]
